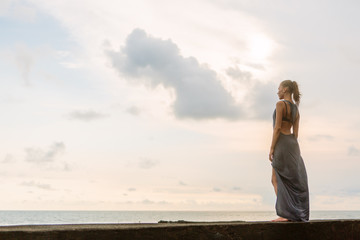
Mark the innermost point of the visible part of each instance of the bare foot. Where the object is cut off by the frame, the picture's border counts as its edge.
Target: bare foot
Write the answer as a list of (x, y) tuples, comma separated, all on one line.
[(280, 219)]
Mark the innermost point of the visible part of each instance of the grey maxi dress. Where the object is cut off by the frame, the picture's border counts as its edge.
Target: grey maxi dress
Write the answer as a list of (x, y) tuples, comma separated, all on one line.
[(292, 186)]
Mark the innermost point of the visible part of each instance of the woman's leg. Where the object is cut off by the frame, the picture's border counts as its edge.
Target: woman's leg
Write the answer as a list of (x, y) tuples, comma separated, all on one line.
[(274, 183), (274, 180)]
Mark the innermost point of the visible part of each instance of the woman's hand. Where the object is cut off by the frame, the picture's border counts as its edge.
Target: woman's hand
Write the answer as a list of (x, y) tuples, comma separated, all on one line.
[(271, 155)]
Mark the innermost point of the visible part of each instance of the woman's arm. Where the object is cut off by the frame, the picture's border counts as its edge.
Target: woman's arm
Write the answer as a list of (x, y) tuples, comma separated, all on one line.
[(296, 125), (277, 127)]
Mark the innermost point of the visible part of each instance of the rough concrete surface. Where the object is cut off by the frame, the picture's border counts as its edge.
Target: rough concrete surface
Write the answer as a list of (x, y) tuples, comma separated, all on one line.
[(317, 230)]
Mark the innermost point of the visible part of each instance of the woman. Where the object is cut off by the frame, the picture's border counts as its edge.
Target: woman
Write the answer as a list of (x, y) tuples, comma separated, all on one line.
[(288, 174)]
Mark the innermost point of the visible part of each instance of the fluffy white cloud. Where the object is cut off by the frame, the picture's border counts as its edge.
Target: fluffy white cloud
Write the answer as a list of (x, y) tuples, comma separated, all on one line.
[(36, 155), (153, 61)]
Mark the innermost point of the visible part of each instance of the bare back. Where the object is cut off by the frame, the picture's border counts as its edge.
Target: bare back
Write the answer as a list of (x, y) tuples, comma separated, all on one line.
[(287, 118)]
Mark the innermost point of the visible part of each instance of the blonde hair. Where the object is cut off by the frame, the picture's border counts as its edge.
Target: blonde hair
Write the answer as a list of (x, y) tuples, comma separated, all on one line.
[(293, 88)]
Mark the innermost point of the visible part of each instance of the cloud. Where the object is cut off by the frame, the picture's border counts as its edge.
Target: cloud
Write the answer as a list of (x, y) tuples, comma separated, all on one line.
[(199, 93), (36, 155), (146, 163), (330, 202), (132, 189), (320, 137), (37, 185), (262, 98), (133, 110), (72, 65), (66, 166), (67, 59), (181, 183), (86, 116), (24, 60), (215, 189), (147, 201), (230, 190), (8, 159), (9, 99), (17, 10), (256, 66), (239, 75), (352, 191), (152, 61), (353, 151)]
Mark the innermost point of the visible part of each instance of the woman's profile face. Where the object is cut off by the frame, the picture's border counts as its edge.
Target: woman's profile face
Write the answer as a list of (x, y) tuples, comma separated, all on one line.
[(281, 92)]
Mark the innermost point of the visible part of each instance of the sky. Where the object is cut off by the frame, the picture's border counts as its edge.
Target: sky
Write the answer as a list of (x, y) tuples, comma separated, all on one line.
[(167, 105)]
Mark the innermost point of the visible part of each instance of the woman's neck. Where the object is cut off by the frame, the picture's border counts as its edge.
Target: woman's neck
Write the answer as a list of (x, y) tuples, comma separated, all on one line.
[(288, 98)]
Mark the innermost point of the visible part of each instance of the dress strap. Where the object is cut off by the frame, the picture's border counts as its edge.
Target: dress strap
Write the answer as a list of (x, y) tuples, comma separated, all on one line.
[(285, 118), (293, 110), (285, 109)]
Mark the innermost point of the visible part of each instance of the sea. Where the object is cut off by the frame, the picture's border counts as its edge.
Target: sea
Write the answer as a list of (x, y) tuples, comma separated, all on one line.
[(11, 218)]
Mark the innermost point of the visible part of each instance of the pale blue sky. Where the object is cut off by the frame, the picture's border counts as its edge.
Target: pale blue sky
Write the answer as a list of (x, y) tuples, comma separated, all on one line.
[(161, 105)]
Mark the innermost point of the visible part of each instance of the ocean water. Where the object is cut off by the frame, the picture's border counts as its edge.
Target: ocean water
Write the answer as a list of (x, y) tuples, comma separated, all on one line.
[(8, 218)]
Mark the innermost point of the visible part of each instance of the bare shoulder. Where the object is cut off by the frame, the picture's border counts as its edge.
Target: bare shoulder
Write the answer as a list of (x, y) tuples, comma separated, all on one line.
[(280, 104)]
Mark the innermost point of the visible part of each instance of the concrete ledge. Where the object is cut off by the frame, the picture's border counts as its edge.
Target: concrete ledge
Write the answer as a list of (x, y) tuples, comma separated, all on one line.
[(317, 230)]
